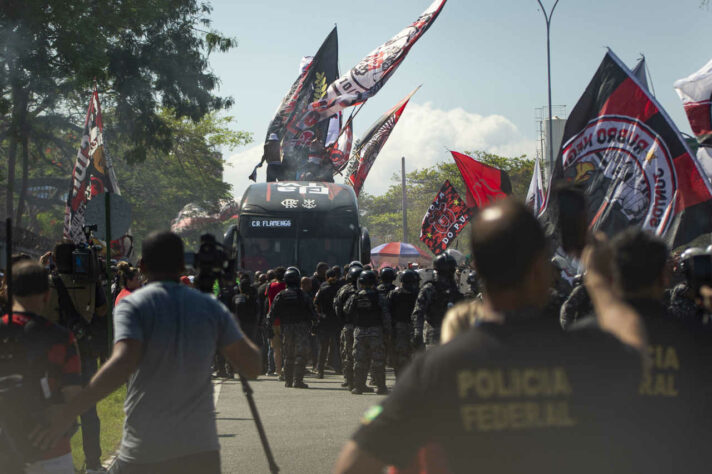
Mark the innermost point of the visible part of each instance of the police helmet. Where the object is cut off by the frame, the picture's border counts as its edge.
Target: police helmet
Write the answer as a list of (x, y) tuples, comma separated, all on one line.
[(445, 264), (367, 278), (387, 275), (292, 277), (353, 274), (410, 278), (471, 278), (355, 263)]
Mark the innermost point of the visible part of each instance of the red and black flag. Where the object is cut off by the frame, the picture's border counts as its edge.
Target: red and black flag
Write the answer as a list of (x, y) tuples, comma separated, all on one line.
[(366, 78), (371, 144), (92, 173), (484, 184), (445, 219), (625, 152)]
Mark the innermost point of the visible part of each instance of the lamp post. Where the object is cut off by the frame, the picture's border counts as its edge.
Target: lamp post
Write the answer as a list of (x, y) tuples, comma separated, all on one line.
[(547, 18)]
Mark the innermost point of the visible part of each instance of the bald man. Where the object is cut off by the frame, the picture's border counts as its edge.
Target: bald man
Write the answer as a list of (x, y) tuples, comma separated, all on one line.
[(511, 394)]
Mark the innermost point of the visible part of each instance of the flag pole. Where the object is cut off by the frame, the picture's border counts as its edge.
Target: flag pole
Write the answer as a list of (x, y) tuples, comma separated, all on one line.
[(547, 18)]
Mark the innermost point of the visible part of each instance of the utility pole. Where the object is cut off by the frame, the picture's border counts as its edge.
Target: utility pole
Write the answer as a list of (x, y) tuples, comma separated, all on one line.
[(547, 18), (405, 202)]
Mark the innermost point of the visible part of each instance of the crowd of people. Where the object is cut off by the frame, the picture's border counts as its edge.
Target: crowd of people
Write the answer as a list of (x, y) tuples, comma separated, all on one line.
[(525, 369)]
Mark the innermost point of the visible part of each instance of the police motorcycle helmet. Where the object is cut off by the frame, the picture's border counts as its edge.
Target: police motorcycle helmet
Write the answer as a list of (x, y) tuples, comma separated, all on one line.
[(410, 279), (292, 277), (353, 274), (387, 275), (367, 278), (445, 265)]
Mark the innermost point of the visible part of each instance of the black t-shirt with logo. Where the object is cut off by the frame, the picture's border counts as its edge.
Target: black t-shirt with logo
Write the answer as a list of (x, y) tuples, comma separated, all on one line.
[(518, 397)]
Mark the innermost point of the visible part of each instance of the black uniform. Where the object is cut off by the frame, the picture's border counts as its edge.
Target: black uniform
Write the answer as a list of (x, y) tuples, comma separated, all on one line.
[(294, 309), (385, 288), (329, 325), (368, 309), (401, 303), (519, 397), (247, 311), (675, 395), (433, 301), (346, 340)]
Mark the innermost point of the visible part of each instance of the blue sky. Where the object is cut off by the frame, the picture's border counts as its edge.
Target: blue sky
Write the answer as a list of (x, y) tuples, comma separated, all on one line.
[(482, 66)]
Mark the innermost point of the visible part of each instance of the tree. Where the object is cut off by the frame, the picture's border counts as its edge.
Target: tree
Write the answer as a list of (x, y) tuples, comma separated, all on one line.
[(158, 187), (145, 54), (382, 214)]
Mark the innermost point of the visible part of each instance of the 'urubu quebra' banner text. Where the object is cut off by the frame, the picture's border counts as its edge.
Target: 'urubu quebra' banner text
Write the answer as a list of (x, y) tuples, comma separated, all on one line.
[(621, 147), (371, 144), (696, 94), (366, 78), (92, 173)]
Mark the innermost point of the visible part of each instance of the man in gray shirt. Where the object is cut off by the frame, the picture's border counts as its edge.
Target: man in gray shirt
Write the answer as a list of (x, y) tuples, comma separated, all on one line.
[(165, 336)]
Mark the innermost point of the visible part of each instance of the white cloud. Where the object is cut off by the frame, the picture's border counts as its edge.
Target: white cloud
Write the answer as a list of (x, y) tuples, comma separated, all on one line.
[(422, 136)]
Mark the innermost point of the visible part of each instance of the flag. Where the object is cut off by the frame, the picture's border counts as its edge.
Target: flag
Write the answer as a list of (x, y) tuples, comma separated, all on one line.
[(625, 152), (370, 145), (445, 219), (312, 81), (696, 94), (366, 78), (340, 153), (535, 194), (484, 184), (92, 173), (639, 72)]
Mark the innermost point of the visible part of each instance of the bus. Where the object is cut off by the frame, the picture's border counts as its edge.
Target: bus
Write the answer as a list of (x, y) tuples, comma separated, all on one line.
[(298, 224)]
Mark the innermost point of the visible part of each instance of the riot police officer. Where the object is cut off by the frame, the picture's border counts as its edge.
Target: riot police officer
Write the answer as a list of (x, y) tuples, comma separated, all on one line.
[(433, 301), (368, 310), (294, 309), (329, 327), (401, 303), (347, 331), (474, 291), (387, 276)]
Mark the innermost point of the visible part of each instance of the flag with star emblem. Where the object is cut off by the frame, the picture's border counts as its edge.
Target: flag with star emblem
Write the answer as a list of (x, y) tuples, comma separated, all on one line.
[(445, 219), (626, 154)]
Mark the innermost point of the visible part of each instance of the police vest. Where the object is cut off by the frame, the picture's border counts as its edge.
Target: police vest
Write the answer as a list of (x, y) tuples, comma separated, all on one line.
[(245, 308), (445, 296), (367, 310), (342, 296), (402, 304), (296, 307)]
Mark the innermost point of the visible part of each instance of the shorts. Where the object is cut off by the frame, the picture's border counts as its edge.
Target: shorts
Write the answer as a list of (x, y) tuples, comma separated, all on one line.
[(207, 462), (59, 465)]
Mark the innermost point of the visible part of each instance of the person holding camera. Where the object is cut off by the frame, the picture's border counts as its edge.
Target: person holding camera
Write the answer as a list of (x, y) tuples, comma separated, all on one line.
[(77, 301), (40, 371), (165, 336), (129, 280)]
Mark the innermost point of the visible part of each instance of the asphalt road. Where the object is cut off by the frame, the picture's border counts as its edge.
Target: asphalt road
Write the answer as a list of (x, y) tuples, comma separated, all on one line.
[(306, 428)]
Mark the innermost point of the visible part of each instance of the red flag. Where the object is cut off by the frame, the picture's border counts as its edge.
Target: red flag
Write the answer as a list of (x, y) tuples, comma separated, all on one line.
[(484, 183), (446, 217)]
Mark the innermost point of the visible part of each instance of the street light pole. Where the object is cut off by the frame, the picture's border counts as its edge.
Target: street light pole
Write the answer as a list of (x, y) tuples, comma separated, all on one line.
[(405, 202), (547, 18)]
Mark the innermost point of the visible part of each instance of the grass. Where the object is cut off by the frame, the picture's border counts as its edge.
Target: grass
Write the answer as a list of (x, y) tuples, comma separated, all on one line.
[(111, 414)]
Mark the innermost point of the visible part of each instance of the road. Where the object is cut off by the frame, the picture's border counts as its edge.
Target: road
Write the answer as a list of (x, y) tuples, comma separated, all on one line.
[(306, 428)]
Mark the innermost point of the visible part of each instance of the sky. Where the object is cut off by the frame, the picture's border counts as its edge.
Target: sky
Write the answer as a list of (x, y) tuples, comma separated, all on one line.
[(482, 66)]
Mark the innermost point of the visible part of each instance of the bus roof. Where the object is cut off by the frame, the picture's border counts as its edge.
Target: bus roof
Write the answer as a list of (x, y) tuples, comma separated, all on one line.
[(290, 197)]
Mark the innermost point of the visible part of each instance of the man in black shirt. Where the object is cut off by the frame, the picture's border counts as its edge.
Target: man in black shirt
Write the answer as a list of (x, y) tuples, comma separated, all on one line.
[(676, 390), (293, 308), (401, 302), (329, 326), (514, 393), (347, 328)]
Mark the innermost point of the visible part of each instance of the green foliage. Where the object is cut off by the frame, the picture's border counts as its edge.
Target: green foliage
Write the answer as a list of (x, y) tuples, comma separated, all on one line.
[(382, 215), (144, 56)]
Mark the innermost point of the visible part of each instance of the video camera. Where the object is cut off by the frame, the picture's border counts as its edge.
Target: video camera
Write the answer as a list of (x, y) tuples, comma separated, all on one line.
[(213, 261), (696, 265), (80, 261)]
